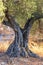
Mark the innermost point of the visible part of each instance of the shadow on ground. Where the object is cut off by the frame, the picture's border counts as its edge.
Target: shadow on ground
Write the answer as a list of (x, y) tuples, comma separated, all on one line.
[(5, 60)]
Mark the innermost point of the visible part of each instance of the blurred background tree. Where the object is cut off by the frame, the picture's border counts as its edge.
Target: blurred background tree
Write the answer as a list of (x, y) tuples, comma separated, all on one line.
[(38, 25)]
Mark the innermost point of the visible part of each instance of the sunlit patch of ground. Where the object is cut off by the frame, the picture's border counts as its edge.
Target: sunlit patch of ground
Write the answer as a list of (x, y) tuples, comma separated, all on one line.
[(36, 38), (36, 45), (7, 36)]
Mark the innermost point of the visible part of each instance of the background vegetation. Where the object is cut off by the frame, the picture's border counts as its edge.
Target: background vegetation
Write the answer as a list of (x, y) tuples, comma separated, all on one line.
[(2, 9), (22, 10)]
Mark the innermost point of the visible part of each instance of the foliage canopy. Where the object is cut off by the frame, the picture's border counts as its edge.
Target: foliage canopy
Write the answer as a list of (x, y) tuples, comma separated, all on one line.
[(2, 9), (23, 9)]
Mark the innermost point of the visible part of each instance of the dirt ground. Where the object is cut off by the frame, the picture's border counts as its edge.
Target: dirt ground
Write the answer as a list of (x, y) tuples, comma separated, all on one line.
[(5, 60)]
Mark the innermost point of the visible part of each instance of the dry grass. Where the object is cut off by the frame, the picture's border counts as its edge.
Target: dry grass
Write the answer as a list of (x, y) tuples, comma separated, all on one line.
[(36, 46)]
